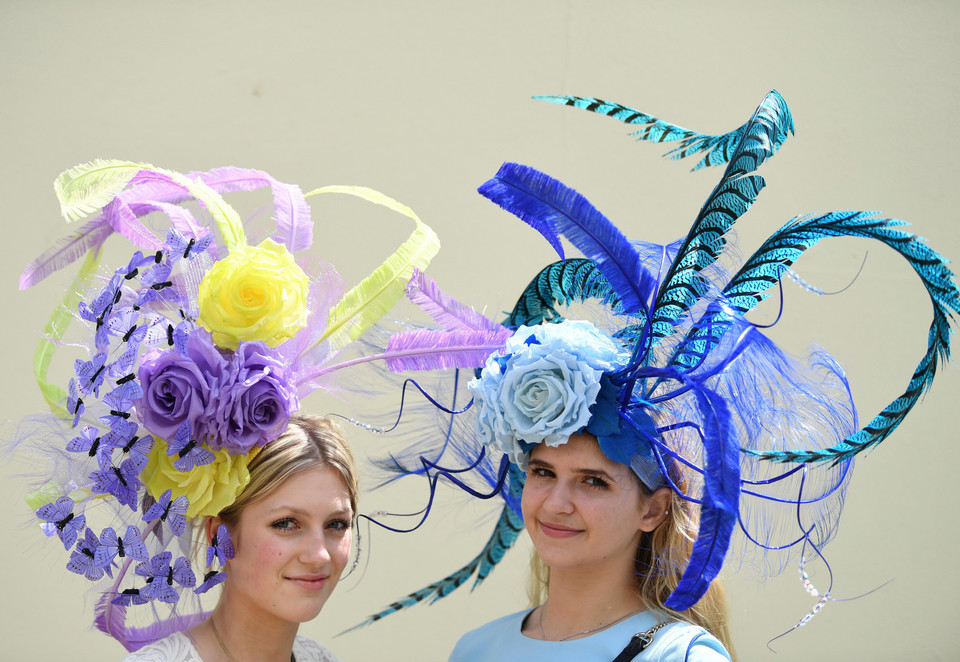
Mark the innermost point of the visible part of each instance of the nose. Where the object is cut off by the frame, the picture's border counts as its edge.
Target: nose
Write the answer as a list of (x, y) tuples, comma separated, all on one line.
[(557, 499), (314, 551)]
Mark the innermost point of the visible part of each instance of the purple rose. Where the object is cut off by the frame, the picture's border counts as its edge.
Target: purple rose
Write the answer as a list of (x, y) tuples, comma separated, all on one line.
[(179, 388), (255, 399)]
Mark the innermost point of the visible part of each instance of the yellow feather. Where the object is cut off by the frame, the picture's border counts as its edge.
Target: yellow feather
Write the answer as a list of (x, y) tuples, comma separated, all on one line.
[(54, 330), (226, 217), (86, 188), (370, 299)]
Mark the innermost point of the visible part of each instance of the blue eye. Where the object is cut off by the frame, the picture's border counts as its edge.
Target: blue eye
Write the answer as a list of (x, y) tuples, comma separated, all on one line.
[(339, 525), (285, 524)]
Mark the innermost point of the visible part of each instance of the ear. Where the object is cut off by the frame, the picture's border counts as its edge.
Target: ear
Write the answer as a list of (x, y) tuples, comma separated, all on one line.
[(655, 509), (210, 526)]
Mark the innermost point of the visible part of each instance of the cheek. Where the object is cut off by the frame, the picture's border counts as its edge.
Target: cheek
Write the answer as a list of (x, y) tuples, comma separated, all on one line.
[(344, 544), (530, 500)]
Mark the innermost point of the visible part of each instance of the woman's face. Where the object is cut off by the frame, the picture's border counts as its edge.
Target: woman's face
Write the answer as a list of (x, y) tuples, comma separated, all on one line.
[(584, 511), (291, 547)]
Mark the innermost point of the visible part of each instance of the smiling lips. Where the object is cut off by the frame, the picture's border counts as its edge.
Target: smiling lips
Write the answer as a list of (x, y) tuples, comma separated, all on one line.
[(310, 582), (558, 530)]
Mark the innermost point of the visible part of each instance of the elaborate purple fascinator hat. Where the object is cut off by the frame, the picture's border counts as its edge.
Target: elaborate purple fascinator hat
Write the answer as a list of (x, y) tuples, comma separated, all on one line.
[(193, 356), (660, 362)]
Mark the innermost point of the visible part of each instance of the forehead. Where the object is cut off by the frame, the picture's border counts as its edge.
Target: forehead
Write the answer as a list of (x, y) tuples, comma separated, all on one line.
[(319, 489), (580, 452)]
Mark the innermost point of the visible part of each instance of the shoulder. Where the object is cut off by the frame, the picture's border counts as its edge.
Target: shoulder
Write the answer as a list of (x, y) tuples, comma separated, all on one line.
[(687, 643), (477, 642), (175, 648), (307, 650)]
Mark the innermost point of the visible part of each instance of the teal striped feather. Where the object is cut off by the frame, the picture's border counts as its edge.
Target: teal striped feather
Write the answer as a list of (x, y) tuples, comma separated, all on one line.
[(767, 265), (718, 148)]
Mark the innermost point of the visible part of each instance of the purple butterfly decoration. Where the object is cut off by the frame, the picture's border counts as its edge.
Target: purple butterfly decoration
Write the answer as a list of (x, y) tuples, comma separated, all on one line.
[(210, 580), (90, 374), (189, 451), (120, 432), (157, 286), (91, 443), (123, 322), (138, 261), (161, 576), (173, 513), (75, 404), (117, 414), (183, 248), (123, 435), (128, 389), (82, 559), (59, 520), (169, 335), (129, 596), (112, 546), (119, 405), (221, 546), (121, 482), (101, 308)]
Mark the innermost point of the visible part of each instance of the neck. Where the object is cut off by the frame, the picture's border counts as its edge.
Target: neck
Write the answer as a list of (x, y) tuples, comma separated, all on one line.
[(245, 635), (581, 600)]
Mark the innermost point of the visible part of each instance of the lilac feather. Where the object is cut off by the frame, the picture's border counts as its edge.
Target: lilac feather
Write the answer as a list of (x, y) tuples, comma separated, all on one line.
[(111, 619), (529, 193), (89, 237), (444, 309), (291, 211), (431, 349), (180, 217), (719, 505), (122, 219)]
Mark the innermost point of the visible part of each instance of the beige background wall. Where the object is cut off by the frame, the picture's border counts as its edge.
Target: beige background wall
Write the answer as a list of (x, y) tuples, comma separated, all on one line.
[(424, 101)]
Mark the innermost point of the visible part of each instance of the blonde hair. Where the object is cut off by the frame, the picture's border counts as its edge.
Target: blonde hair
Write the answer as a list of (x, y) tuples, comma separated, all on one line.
[(309, 442), (661, 556)]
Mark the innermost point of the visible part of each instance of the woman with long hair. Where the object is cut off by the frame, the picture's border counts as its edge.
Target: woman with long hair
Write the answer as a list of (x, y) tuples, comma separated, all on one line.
[(611, 538), (637, 424), (179, 428), (290, 531)]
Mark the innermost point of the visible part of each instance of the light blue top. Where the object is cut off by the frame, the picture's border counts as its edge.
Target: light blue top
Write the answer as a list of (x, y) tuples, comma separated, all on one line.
[(502, 641)]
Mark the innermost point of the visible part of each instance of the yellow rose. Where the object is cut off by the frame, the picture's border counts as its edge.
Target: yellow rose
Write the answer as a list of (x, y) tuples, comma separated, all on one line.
[(209, 488), (254, 293)]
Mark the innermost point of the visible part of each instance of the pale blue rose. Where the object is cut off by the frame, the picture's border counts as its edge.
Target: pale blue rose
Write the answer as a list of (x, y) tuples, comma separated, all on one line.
[(541, 386)]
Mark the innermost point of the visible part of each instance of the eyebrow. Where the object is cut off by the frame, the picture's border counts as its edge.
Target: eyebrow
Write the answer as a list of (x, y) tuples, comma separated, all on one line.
[(300, 511), (582, 471)]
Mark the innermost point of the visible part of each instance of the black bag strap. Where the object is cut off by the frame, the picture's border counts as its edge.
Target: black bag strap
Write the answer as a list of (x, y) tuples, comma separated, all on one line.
[(638, 643)]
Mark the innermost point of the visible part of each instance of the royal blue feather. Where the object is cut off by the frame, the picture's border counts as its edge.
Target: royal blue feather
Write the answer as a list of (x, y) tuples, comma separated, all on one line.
[(718, 508), (528, 193)]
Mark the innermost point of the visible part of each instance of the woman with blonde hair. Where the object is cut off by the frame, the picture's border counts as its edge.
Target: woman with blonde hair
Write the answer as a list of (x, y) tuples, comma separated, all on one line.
[(288, 538), (181, 419), (610, 536), (637, 425)]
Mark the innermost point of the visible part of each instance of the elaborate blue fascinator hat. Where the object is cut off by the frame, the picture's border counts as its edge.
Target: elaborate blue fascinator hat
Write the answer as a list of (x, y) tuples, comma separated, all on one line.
[(193, 357), (669, 374)]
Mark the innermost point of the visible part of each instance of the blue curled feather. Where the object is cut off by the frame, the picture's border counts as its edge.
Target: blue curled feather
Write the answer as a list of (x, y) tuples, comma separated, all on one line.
[(718, 507)]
